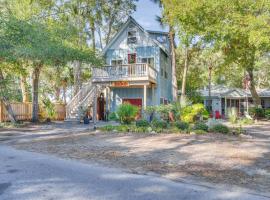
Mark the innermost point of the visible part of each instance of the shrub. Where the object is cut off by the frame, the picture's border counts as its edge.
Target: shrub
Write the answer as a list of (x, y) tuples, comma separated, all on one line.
[(127, 113), (267, 113), (140, 129), (245, 121), (182, 125), (107, 128), (159, 124), (220, 128), (257, 112), (200, 126), (200, 132), (164, 110), (122, 128), (113, 116), (49, 108), (189, 113), (142, 123), (232, 114)]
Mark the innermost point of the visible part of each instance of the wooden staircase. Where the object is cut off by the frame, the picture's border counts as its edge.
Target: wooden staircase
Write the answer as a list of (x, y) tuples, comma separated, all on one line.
[(84, 98)]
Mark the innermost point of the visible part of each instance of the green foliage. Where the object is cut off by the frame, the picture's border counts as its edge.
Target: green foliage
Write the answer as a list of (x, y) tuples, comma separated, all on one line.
[(107, 128), (257, 112), (164, 110), (200, 132), (142, 123), (220, 128), (127, 113), (137, 129), (122, 128), (189, 113), (18, 124), (232, 114), (238, 29), (113, 116), (200, 126), (182, 125), (245, 121), (267, 113), (49, 107), (159, 124), (150, 109)]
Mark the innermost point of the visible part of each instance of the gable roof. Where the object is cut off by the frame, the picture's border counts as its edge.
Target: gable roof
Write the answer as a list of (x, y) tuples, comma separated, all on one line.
[(131, 19), (224, 91)]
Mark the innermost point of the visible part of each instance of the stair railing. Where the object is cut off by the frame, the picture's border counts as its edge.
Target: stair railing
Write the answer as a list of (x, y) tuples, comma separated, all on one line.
[(76, 100)]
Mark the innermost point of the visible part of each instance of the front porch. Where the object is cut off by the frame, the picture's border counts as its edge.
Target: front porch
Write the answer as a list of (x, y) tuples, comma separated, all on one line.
[(127, 83)]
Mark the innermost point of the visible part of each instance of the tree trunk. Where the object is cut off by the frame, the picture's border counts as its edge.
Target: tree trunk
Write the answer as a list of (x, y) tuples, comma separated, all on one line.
[(184, 78), (35, 88), (5, 100), (65, 94), (57, 93), (209, 81), (77, 77), (252, 88), (100, 38), (92, 27), (24, 90), (109, 31), (173, 57)]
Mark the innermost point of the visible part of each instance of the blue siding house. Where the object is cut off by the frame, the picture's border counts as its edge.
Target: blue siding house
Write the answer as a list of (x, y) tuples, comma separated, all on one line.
[(139, 67), (138, 70)]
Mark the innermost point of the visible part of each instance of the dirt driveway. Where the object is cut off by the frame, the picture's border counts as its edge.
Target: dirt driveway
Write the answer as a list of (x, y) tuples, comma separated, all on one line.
[(241, 161)]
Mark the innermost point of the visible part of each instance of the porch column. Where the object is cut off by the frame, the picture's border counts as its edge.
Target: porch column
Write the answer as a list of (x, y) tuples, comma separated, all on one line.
[(239, 102), (153, 95), (225, 107), (144, 96), (95, 108), (108, 97)]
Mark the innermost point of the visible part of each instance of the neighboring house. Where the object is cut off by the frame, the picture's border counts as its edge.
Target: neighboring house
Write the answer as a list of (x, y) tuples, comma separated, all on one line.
[(224, 98), (138, 70)]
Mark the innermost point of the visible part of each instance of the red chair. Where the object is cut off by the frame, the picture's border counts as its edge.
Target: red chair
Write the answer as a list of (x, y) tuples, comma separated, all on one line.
[(217, 114)]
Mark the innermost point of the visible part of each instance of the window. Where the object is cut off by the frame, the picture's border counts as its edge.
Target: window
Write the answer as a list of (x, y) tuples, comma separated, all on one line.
[(166, 75), (149, 61), (165, 101), (116, 62), (132, 35), (132, 58), (161, 100), (208, 105), (161, 71)]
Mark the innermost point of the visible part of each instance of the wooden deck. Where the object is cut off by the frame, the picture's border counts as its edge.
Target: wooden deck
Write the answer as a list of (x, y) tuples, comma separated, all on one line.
[(131, 72)]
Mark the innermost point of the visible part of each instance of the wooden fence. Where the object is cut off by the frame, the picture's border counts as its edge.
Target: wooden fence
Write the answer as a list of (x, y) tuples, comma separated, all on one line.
[(23, 111)]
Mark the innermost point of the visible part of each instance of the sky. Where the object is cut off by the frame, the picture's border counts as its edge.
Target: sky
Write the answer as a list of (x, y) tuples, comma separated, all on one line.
[(145, 15)]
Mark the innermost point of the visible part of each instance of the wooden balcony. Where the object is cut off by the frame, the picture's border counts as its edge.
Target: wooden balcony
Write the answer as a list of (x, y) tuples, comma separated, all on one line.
[(139, 72)]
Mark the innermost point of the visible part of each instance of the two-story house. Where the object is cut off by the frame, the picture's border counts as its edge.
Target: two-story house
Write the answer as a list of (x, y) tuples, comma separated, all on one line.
[(138, 70)]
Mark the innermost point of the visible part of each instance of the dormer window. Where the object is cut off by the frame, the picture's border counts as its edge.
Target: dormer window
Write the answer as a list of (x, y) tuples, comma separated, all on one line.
[(132, 35)]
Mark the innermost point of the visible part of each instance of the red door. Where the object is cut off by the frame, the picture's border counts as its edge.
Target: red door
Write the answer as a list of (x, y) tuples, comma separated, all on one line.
[(132, 58), (135, 102)]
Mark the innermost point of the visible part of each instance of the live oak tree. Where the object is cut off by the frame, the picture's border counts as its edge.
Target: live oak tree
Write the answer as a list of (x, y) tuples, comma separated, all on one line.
[(239, 28), (40, 44)]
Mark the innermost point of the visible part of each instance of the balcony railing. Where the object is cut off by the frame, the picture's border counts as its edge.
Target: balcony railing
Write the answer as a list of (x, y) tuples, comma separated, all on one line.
[(130, 72)]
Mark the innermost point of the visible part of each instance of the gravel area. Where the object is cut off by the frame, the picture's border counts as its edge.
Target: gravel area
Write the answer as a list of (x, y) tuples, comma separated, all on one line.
[(214, 158)]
